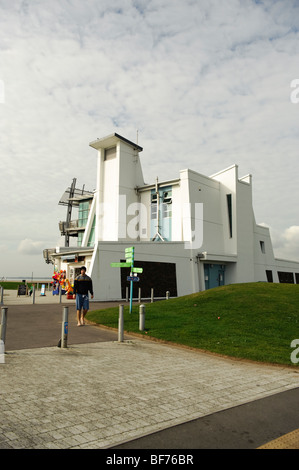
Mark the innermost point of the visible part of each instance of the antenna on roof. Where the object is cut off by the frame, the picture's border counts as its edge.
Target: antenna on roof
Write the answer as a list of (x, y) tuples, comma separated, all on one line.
[(137, 137), (69, 212), (158, 234)]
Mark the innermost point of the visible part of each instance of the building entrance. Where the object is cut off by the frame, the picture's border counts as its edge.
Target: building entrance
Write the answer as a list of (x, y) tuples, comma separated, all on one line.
[(73, 273), (214, 275)]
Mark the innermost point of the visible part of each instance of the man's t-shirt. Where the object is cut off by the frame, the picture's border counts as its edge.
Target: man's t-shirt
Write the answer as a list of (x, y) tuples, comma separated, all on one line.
[(83, 284)]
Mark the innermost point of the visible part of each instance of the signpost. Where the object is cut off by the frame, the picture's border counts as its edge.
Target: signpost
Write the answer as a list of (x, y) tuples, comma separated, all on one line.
[(137, 270), (129, 254), (64, 327), (121, 265), (22, 290)]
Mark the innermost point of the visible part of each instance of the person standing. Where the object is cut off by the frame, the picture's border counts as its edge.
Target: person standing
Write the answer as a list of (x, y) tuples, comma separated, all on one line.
[(82, 286)]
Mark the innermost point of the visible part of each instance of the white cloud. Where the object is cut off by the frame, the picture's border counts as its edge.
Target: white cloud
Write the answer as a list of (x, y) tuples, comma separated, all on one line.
[(30, 247), (207, 84), (286, 243)]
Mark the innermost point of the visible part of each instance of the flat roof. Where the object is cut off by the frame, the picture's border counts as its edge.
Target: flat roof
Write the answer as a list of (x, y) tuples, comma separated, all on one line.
[(79, 195), (161, 184), (111, 140)]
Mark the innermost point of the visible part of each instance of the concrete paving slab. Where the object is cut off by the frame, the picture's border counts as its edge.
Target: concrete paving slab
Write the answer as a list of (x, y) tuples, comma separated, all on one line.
[(101, 394), (38, 325), (98, 395), (10, 297)]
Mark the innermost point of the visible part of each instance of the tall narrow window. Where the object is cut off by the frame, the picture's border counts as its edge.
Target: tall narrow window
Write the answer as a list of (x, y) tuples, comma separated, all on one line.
[(154, 206), (167, 204), (109, 153), (83, 213), (80, 238), (229, 209), (92, 233), (262, 245)]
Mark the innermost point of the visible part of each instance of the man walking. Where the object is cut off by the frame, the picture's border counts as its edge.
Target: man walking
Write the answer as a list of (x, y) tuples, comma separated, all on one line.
[(82, 285)]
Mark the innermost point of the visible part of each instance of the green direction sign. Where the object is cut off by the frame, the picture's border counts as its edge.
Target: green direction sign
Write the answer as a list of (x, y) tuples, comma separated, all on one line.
[(120, 265), (129, 253), (137, 270)]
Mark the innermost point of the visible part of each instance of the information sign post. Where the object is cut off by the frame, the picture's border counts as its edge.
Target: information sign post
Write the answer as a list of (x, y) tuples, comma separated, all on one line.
[(129, 254)]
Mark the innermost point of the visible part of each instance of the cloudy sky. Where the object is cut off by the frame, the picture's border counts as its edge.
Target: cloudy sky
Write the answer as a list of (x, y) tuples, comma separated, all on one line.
[(207, 84)]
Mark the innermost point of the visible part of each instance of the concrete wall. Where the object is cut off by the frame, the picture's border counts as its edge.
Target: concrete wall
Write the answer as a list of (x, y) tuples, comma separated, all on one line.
[(117, 177), (106, 280)]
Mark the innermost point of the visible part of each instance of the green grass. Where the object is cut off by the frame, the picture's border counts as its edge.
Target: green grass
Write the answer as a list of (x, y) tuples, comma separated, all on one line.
[(10, 285), (256, 321), (13, 285)]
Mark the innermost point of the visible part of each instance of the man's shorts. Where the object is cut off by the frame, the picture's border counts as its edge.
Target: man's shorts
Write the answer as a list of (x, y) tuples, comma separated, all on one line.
[(82, 301)]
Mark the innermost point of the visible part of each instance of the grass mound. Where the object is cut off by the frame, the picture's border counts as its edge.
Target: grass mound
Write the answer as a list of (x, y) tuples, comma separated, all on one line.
[(256, 321)]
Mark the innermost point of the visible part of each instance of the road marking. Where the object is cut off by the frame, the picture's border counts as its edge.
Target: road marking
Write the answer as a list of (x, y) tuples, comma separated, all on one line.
[(287, 441)]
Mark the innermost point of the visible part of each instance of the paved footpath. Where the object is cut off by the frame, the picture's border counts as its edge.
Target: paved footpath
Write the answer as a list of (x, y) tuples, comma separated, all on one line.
[(102, 394)]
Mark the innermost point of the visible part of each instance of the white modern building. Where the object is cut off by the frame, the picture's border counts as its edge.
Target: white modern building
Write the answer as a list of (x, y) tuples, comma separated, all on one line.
[(192, 233)]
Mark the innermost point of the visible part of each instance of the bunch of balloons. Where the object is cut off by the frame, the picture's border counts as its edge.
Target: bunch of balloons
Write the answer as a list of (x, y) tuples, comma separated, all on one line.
[(60, 281), (69, 288)]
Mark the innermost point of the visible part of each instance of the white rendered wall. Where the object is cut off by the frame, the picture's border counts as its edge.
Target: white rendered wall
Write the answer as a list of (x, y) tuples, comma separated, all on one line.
[(245, 227), (228, 180), (263, 261), (106, 280), (117, 178)]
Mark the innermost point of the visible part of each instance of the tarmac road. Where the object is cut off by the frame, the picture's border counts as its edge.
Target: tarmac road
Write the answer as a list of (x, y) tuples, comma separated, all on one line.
[(248, 426), (254, 423), (39, 326)]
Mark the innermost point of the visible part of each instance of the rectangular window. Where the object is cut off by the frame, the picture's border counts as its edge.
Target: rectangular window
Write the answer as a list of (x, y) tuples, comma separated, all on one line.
[(284, 277), (92, 233), (167, 197), (230, 218), (262, 245), (167, 204), (83, 213), (166, 211), (109, 153), (154, 206), (269, 275), (162, 202)]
